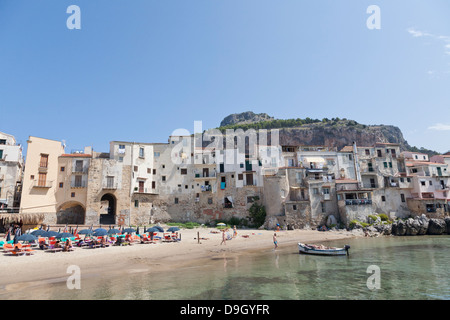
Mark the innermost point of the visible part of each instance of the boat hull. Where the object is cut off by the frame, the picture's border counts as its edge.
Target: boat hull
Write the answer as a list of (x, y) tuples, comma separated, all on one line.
[(304, 249)]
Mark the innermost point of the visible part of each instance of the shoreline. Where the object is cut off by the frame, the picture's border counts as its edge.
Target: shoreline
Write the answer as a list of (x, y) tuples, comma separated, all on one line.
[(46, 268)]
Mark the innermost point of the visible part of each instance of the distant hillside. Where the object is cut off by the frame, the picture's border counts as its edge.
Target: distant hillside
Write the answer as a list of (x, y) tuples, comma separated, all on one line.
[(333, 132)]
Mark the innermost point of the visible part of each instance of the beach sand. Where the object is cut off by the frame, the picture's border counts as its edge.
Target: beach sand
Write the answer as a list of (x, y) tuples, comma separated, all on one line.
[(22, 271)]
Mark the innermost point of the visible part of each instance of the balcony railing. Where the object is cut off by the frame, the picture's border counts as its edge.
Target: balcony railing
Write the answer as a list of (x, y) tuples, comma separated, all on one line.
[(355, 202), (81, 184), (201, 175), (42, 184), (110, 186), (206, 188)]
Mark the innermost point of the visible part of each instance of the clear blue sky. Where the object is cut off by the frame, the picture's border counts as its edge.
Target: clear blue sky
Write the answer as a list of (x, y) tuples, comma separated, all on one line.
[(139, 69)]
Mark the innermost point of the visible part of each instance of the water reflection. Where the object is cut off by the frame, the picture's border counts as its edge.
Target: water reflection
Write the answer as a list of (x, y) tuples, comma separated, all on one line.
[(411, 268)]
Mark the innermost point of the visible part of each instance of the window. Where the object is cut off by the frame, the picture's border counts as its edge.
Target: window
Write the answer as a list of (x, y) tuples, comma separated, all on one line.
[(402, 196), (402, 179), (431, 183), (350, 157), (422, 183), (63, 169), (121, 146), (326, 191), (210, 200), (110, 181), (44, 161), (176, 200), (408, 179), (149, 170), (120, 159), (78, 181), (136, 203), (294, 207), (32, 177), (154, 171), (315, 190), (141, 152), (2, 141), (153, 184), (323, 206), (156, 154), (383, 198), (241, 165), (367, 152), (385, 164), (183, 171), (250, 199), (186, 186), (163, 166), (379, 153), (390, 164), (78, 165), (240, 176), (42, 179), (163, 178), (72, 194), (61, 185), (135, 168)]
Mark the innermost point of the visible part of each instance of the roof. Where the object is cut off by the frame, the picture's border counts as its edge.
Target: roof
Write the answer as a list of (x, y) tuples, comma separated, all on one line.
[(76, 155), (346, 149)]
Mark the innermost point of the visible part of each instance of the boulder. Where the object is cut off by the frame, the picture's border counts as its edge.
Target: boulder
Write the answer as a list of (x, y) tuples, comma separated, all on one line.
[(423, 224), (412, 227), (399, 228), (447, 222), (331, 221), (271, 223), (436, 226), (376, 221)]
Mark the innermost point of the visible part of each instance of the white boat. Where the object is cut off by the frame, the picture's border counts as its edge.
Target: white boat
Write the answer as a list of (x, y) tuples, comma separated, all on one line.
[(322, 250)]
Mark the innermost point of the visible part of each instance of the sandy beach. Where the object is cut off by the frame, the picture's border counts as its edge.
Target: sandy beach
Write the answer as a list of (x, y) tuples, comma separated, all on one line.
[(22, 271)]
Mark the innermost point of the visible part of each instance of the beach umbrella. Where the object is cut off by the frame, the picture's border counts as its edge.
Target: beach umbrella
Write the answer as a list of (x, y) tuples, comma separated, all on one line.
[(160, 229), (86, 231), (64, 235), (113, 231), (52, 233), (173, 229), (27, 237), (8, 236), (128, 230), (221, 224), (48, 228), (40, 232), (100, 232)]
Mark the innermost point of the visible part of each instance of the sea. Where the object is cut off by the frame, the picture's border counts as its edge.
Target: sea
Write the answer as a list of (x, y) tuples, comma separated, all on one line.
[(383, 268)]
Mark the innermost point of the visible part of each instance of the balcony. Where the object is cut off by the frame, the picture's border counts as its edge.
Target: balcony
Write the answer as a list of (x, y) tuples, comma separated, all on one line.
[(110, 186), (81, 184), (203, 175), (356, 202), (42, 184), (205, 188), (80, 170)]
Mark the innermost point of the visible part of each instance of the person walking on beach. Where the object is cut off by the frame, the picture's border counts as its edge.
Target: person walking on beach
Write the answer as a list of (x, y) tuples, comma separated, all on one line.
[(275, 242), (224, 238)]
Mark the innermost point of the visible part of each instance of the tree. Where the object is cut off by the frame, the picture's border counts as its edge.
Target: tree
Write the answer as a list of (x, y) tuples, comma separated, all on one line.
[(257, 212)]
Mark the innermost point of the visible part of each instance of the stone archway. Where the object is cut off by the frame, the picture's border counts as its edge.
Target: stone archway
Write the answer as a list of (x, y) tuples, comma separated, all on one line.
[(108, 211), (71, 213)]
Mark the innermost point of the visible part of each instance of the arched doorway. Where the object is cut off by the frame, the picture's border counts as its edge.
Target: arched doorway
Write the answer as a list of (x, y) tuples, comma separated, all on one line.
[(108, 209), (70, 213)]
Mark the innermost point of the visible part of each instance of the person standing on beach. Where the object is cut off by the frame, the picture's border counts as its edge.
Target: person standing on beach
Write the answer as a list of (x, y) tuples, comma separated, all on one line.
[(224, 238), (275, 242), (234, 232)]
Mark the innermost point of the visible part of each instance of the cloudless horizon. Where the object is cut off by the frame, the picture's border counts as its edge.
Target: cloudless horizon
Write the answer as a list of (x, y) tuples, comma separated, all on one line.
[(138, 70)]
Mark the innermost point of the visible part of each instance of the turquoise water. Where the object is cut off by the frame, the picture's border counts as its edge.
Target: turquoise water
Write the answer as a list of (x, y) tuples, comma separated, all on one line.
[(410, 268)]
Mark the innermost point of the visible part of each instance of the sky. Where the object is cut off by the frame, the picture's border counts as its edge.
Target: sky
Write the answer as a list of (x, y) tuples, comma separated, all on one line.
[(137, 70)]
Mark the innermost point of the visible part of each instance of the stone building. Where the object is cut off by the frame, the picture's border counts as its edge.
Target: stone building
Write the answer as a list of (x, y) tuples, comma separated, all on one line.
[(11, 169)]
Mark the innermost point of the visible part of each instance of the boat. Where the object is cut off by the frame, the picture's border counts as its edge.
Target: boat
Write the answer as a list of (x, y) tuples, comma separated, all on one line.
[(322, 250)]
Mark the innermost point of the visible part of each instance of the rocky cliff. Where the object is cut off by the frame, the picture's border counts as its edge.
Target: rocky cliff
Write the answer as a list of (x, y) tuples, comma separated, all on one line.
[(334, 133), (245, 118)]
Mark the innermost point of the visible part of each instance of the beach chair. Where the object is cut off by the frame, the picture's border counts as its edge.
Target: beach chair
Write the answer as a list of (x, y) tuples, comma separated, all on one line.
[(7, 247)]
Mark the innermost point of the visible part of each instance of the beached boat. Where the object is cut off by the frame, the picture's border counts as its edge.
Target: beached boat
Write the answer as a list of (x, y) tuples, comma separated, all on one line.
[(322, 250)]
